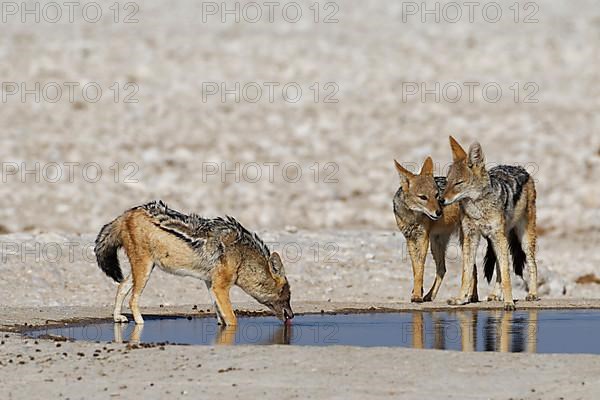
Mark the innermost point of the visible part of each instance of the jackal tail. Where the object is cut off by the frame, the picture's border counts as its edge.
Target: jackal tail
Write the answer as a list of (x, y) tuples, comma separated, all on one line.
[(107, 243), (516, 251)]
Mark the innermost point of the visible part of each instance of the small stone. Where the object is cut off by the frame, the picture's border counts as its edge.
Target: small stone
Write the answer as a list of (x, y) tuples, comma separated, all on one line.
[(291, 229)]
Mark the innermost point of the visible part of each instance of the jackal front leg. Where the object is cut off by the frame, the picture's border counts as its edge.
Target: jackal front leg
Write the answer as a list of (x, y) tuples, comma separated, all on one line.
[(221, 284), (438, 250), (214, 301), (417, 249), (468, 291)]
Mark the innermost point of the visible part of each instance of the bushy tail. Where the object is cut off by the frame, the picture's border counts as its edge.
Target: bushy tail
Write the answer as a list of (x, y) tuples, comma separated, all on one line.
[(489, 261), (516, 251), (518, 255), (107, 244)]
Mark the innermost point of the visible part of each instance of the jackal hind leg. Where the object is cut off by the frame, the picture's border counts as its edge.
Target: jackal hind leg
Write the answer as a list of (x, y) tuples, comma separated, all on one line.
[(470, 242), (500, 243), (496, 294), (474, 294), (122, 292), (214, 302), (529, 243), (141, 268), (417, 249), (439, 244)]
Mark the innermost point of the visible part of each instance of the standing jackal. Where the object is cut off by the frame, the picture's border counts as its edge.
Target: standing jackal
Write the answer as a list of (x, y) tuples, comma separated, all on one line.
[(219, 251), (422, 221), (500, 205)]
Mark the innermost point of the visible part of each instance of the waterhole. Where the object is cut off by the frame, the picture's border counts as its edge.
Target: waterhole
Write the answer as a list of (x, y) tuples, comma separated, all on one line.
[(535, 331)]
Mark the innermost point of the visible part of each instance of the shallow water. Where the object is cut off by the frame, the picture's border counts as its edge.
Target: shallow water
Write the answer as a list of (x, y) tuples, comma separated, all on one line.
[(536, 331)]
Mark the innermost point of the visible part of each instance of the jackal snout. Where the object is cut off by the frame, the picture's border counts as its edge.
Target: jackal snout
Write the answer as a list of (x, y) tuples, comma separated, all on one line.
[(281, 307), (420, 191), (276, 295)]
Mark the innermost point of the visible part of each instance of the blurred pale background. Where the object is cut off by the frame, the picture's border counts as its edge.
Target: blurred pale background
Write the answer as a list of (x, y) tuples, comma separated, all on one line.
[(177, 140)]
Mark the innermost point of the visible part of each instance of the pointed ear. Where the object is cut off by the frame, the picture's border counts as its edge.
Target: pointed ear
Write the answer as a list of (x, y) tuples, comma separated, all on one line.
[(458, 152), (403, 172), (427, 168), (405, 176), (476, 155), (276, 265)]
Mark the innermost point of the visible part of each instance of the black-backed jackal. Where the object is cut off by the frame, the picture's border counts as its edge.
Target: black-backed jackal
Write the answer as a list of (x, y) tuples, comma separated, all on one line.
[(219, 251), (498, 204), (423, 221)]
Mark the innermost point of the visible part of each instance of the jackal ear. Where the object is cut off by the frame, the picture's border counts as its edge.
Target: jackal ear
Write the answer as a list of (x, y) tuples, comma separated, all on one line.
[(276, 265), (476, 155), (427, 168), (405, 175), (458, 153)]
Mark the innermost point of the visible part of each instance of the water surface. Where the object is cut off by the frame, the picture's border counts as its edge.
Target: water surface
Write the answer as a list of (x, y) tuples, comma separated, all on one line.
[(536, 331)]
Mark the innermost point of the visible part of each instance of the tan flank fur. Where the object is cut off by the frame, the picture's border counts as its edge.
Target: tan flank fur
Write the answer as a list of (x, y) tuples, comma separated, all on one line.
[(494, 204), (219, 251), (424, 223)]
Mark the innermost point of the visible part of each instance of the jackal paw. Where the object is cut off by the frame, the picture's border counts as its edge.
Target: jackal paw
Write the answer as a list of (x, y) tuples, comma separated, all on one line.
[(458, 301), (428, 297), (416, 299), (532, 297), (120, 319), (494, 297), (509, 306)]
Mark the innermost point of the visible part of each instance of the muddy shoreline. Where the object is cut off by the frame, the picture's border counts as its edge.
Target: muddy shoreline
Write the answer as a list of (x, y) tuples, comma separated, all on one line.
[(20, 320)]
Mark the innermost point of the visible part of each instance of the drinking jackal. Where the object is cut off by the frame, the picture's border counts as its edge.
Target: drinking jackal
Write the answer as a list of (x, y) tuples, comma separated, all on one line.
[(219, 251)]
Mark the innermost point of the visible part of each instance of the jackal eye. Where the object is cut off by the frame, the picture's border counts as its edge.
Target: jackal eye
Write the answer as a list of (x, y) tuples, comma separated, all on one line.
[(422, 197)]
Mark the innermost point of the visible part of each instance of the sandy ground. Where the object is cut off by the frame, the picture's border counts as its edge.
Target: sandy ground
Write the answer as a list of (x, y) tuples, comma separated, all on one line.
[(313, 176), (99, 371), (366, 270), (363, 266)]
